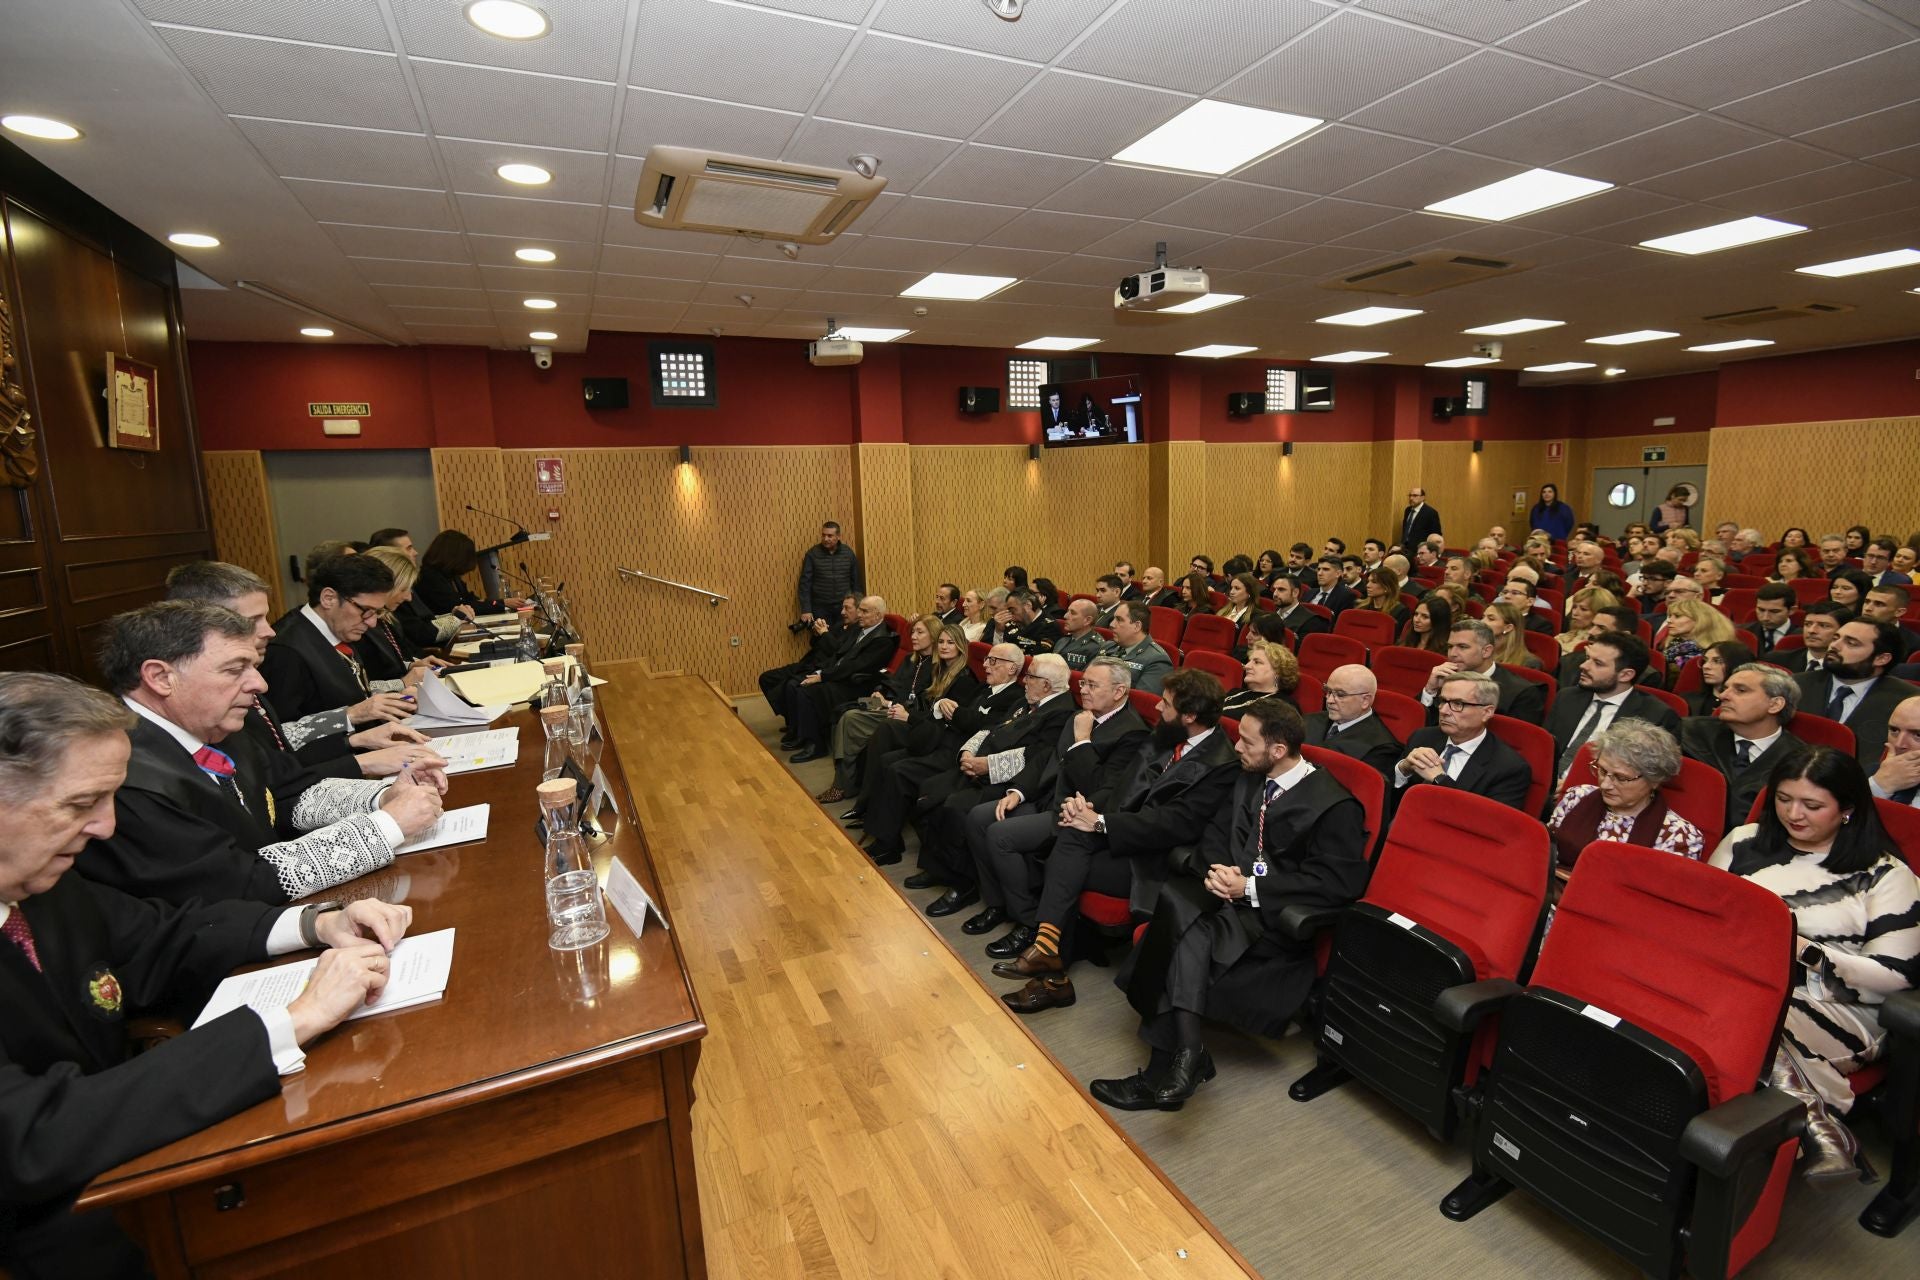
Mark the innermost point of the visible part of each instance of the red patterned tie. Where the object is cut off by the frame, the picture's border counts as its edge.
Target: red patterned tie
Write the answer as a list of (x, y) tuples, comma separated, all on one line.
[(214, 762), (20, 935), (344, 650)]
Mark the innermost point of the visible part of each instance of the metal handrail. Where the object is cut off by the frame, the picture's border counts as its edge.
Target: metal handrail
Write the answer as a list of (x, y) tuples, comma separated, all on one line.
[(713, 597)]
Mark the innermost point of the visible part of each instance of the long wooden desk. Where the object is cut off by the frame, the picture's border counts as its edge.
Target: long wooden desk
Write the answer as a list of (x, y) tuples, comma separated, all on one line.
[(535, 1121)]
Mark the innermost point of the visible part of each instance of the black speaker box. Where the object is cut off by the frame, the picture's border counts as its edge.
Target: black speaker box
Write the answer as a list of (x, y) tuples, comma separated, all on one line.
[(979, 399), (1244, 404), (1445, 408), (604, 393)]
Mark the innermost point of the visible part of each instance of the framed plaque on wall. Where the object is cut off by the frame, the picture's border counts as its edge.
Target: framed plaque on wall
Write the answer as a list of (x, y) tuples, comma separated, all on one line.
[(133, 404)]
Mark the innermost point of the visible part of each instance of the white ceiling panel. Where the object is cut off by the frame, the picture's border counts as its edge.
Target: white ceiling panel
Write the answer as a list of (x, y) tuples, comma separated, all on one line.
[(1001, 175), (485, 335), (1326, 220), (480, 315), (413, 295), (645, 289), (1239, 253), (838, 10), (999, 260), (1474, 21), (1714, 178), (1773, 198), (497, 251), (374, 206), (443, 275), (1342, 65), (924, 218), (905, 158), (578, 176), (1042, 32), (665, 119), (1906, 160), (253, 77), (734, 53), (1229, 206), (1331, 158), (778, 273), (1325, 261), (1408, 231), (765, 301), (537, 219), (1602, 209), (1469, 96), (1432, 177), (584, 40), (1617, 35), (515, 106), (356, 24), (884, 253), (1121, 191), (295, 150), (1872, 84), (1801, 41), (897, 83), (622, 229), (1091, 269), (1674, 146), (1594, 117), (540, 281), (1218, 39), (1871, 134), (394, 242)]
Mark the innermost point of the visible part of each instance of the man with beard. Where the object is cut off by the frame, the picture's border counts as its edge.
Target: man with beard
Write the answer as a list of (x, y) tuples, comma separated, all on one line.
[(1856, 689)]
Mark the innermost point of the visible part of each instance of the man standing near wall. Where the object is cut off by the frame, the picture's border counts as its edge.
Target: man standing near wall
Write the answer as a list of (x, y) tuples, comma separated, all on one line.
[(829, 572)]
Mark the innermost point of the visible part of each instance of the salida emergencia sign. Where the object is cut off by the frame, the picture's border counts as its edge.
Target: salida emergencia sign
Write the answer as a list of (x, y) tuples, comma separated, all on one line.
[(339, 409)]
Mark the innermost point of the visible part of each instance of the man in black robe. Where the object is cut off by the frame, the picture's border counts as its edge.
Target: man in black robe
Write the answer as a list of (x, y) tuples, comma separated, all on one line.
[(77, 959), (310, 663), (1292, 836)]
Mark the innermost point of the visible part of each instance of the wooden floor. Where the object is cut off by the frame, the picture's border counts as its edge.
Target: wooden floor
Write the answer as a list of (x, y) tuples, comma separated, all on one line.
[(866, 1106)]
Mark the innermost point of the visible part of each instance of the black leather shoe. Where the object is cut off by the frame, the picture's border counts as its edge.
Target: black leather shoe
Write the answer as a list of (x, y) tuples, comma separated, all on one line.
[(1133, 1093), (1191, 1068), (919, 880), (982, 921), (788, 742), (1012, 945), (883, 857), (854, 814), (805, 754), (953, 900), (854, 824)]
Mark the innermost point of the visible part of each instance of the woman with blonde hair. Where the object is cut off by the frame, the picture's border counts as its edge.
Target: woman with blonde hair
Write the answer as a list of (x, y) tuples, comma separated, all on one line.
[(982, 608), (1508, 622), (1380, 593), (393, 663), (1692, 625), (1581, 606), (1272, 672), (1684, 538), (909, 686)]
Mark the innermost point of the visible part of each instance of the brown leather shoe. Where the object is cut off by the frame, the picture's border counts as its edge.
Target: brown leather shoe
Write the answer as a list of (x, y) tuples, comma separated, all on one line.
[(1041, 993), (1031, 963), (832, 795)]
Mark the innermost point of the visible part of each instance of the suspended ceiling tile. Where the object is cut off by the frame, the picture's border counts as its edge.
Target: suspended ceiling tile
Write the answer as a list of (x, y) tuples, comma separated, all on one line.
[(1733, 173), (1870, 134), (579, 177), (1083, 116), (1871, 84), (1238, 253), (1436, 176), (1061, 232), (1607, 39), (865, 281), (515, 106), (1040, 34), (1325, 220), (664, 119), (1217, 40), (538, 281), (284, 81), (339, 154), (1662, 150), (765, 300), (905, 158), (1398, 235), (1342, 65), (998, 260), (610, 288), (1771, 198), (409, 295), (1469, 96), (623, 260), (1594, 117), (1090, 269), (916, 87), (1331, 158), (354, 24), (1473, 21), (734, 269), (925, 218), (507, 216), (1228, 206), (884, 253), (374, 206), (1001, 175), (1122, 191), (497, 251), (1784, 46), (396, 242), (444, 275), (584, 39), (1602, 209), (735, 54)]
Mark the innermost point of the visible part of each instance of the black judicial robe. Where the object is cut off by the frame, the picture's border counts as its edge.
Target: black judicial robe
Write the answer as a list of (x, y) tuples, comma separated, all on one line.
[(179, 837), (74, 1102), (331, 756), (415, 617), (304, 673), (384, 652), (1369, 742), (1315, 850)]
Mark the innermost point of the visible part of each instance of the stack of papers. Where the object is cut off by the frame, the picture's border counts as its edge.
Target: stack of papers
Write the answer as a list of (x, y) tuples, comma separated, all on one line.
[(487, 749), (418, 973), (438, 706), (456, 826), (513, 682), (496, 620)]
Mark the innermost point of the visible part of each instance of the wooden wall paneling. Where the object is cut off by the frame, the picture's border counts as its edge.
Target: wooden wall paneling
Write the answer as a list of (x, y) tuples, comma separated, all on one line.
[(28, 621), (1092, 503), (1775, 476), (1187, 502), (881, 525), (241, 508), (1474, 491), (1259, 498)]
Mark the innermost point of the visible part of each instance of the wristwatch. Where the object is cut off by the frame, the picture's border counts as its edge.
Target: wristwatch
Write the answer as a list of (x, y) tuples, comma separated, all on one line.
[(1811, 955), (310, 917), (1100, 823)]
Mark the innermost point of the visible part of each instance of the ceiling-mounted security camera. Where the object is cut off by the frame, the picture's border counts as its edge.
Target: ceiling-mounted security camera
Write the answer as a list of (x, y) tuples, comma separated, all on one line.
[(1491, 350), (542, 357)]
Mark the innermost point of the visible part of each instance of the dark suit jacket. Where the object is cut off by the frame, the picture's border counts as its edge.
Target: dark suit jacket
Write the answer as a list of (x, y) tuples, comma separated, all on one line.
[(1164, 805), (1416, 528), (985, 710), (1339, 597), (74, 1100), (1520, 698), (1710, 741), (306, 674), (860, 663), (1760, 647), (1033, 637), (1571, 707), (384, 651), (441, 592), (1048, 730), (1494, 770), (1794, 660), (1304, 622), (1369, 742), (1868, 720), (331, 756), (1101, 766), (416, 623)]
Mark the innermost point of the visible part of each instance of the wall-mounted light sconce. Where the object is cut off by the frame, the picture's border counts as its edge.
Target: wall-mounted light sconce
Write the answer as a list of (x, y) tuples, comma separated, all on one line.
[(1286, 448), (1033, 453), (1478, 445), (686, 453)]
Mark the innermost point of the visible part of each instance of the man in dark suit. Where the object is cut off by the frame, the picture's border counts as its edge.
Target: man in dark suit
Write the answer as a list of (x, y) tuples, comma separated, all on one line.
[(1773, 607), (1470, 651), (1605, 693), (1349, 726), (852, 673), (1419, 521), (1017, 752), (1820, 624), (1129, 589), (946, 604), (1096, 755), (1898, 776), (1460, 752), (1330, 592), (1855, 688), (1749, 736), (78, 959), (1176, 787), (1298, 619), (204, 812), (417, 620), (1519, 592), (310, 663), (1291, 836), (825, 642), (1154, 590), (1887, 604), (1876, 558), (1108, 592)]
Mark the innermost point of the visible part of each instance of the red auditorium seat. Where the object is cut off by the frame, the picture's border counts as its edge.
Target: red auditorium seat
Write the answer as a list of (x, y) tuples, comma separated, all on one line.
[(1147, 704), (1322, 651), (1401, 714), (1165, 626), (1365, 625), (1545, 648), (1697, 793), (1208, 631), (1318, 610), (1737, 604), (1542, 678), (1742, 581), (1213, 661), (1823, 732), (977, 651), (1309, 695), (897, 625), (1535, 746), (1809, 589), (1673, 700), (1403, 668), (1647, 1024), (1453, 906)]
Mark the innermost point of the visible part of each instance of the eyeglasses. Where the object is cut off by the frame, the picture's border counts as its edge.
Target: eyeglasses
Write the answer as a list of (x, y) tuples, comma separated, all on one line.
[(367, 612), (1620, 779), (1334, 695), (1456, 705), (1011, 662)]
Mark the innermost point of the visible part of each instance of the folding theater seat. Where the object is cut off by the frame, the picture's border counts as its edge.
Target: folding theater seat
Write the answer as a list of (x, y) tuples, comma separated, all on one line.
[(1403, 668), (1322, 651), (1454, 903), (1625, 1090), (1165, 626), (1215, 663), (1401, 714), (1209, 631), (1697, 793), (1365, 625)]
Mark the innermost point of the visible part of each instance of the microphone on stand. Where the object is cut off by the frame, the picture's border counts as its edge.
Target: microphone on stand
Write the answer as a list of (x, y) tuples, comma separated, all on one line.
[(522, 534)]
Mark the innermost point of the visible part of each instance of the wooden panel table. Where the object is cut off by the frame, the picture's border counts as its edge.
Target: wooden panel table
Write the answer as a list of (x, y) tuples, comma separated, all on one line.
[(536, 1121)]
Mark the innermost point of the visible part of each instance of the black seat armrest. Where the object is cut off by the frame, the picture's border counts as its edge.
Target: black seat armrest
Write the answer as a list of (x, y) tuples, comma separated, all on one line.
[(1462, 1007), (1721, 1140), (1900, 1015), (1303, 923)]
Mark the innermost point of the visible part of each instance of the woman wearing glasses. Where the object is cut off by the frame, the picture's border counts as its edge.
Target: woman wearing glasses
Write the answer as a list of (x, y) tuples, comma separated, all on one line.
[(1632, 760)]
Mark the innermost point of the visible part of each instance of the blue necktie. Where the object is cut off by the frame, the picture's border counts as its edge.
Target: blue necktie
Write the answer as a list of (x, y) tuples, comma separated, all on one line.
[(1837, 705)]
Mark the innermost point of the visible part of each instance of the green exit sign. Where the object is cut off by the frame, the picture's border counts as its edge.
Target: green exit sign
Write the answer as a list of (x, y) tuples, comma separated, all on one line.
[(1654, 453)]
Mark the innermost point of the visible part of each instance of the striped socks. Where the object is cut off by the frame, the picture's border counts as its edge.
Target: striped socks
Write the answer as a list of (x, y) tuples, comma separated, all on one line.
[(1046, 940)]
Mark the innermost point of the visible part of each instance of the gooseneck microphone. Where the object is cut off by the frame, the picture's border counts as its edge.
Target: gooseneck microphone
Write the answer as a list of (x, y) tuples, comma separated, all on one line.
[(497, 516)]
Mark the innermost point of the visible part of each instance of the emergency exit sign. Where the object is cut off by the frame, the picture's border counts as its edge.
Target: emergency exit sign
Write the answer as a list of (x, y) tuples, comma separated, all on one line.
[(1654, 453), (339, 409)]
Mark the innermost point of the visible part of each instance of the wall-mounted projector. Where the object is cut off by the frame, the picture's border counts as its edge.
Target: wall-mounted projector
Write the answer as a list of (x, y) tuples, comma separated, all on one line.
[(1160, 288), (832, 351)]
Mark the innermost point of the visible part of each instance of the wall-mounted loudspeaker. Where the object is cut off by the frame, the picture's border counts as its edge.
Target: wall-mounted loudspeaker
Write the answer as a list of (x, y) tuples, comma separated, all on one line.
[(979, 399), (1244, 404), (1446, 408), (604, 393)]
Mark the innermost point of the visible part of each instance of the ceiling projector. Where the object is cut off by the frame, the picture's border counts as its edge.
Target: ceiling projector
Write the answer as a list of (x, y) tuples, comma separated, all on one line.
[(828, 352), (1159, 289)]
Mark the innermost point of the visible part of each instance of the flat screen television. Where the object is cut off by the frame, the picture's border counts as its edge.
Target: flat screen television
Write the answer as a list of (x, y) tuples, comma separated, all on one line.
[(1092, 411)]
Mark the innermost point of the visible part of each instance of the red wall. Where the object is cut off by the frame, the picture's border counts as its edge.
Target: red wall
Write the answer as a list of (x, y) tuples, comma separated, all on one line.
[(1823, 386)]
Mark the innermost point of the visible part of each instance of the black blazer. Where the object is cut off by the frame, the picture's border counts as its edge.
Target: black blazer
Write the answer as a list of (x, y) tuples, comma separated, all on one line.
[(1369, 742), (416, 624), (1520, 698), (1163, 805), (1710, 741), (863, 659), (384, 651), (440, 592), (1417, 527), (1868, 720), (331, 756), (74, 1100), (1107, 761), (1494, 770), (1304, 622), (1339, 597), (985, 710), (1038, 733), (1759, 637), (304, 673), (1570, 708)]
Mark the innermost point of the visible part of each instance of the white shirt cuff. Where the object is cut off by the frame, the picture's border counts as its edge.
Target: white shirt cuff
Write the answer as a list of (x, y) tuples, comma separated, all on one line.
[(389, 829), (1253, 892), (288, 1059), (285, 934), (1880, 792), (1426, 697)]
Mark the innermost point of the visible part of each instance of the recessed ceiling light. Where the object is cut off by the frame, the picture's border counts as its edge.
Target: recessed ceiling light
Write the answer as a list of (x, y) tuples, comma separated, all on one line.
[(40, 127), (535, 255), (1613, 371), (858, 334), (1461, 362), (193, 240), (1724, 235), (1216, 137), (1522, 193), (1506, 327), (543, 335), (1565, 366), (955, 287), (1368, 315), (508, 19), (1348, 357), (1628, 339), (1215, 350), (526, 175), (1057, 344), (1205, 302), (1857, 266), (1737, 344), (315, 331), (540, 304)]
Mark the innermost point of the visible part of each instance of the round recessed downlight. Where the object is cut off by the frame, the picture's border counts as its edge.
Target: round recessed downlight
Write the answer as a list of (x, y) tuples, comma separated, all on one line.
[(540, 304), (40, 127), (535, 255), (315, 331), (193, 240), (543, 335), (508, 19), (526, 175)]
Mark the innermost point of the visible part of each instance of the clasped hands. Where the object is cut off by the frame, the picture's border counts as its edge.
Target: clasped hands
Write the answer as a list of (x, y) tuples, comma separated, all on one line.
[(1078, 813), (1424, 762), (1226, 882)]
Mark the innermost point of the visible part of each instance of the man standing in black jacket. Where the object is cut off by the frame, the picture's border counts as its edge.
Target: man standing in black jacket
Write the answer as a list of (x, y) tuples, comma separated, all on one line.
[(829, 571)]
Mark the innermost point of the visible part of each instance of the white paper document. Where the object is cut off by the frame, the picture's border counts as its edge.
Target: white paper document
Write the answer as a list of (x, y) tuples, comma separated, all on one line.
[(437, 705), (417, 973), (496, 620), (456, 826), (487, 749)]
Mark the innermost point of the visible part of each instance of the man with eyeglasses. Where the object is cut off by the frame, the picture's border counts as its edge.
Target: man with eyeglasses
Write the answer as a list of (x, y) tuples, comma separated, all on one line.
[(1349, 726), (310, 665), (1460, 752)]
